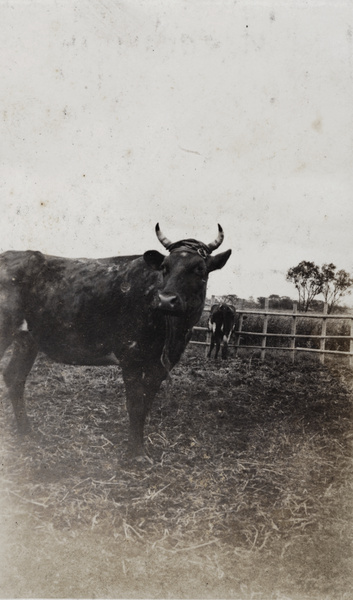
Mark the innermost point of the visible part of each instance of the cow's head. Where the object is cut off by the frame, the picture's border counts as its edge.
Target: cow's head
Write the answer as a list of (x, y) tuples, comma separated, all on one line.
[(185, 272)]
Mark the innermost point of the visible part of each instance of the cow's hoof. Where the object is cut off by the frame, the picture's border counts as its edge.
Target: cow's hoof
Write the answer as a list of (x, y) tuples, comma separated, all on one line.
[(25, 430), (140, 457), (143, 459)]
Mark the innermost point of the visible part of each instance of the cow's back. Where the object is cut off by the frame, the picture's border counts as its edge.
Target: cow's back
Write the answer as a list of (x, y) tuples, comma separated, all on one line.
[(78, 309), (17, 267)]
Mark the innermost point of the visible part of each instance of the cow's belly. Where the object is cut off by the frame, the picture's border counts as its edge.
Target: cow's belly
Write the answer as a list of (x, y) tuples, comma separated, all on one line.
[(70, 349), (100, 345), (88, 359)]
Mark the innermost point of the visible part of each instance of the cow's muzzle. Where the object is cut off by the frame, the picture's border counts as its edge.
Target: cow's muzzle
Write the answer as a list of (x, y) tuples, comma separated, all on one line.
[(170, 303)]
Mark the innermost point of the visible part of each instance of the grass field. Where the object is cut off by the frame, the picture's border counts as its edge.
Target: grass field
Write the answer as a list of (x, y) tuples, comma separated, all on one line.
[(249, 496)]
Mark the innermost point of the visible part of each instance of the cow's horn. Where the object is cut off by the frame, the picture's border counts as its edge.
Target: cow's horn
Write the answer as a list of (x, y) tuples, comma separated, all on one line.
[(219, 239), (163, 240)]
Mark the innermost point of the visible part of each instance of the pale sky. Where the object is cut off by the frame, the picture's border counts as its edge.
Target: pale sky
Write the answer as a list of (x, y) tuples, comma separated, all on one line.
[(119, 114)]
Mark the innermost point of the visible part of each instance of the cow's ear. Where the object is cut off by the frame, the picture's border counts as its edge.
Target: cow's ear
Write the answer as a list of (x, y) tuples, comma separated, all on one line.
[(154, 259), (218, 261)]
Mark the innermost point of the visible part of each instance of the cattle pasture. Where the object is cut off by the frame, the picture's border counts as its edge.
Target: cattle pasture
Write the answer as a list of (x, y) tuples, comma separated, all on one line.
[(249, 496)]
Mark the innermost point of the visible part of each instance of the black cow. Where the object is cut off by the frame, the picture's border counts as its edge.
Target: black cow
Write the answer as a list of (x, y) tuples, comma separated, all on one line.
[(221, 323), (138, 309)]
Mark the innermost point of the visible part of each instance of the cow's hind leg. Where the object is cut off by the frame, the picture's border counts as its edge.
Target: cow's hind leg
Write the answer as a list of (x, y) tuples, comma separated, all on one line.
[(218, 345), (15, 375), (10, 318), (225, 348), (211, 348), (6, 334)]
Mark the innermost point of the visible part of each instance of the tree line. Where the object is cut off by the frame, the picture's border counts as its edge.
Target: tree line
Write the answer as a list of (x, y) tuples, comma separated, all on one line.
[(310, 281)]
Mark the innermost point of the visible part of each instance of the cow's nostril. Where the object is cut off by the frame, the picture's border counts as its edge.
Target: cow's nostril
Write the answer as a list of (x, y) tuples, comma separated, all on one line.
[(168, 302)]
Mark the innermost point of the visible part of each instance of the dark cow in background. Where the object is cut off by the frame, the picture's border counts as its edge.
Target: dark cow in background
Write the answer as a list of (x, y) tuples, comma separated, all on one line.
[(138, 309), (221, 324)]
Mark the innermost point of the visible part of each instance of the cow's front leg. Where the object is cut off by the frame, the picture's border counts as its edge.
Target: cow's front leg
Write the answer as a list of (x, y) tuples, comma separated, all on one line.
[(141, 384)]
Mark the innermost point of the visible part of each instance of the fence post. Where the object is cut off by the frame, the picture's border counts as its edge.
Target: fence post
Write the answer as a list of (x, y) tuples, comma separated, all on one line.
[(208, 333), (323, 335), (240, 327), (293, 330), (264, 331), (351, 346)]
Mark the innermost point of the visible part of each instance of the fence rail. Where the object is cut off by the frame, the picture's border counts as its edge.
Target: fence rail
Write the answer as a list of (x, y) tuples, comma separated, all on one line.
[(239, 333)]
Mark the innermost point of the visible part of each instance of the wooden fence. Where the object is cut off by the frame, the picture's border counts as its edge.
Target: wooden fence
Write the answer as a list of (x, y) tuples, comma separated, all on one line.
[(292, 347)]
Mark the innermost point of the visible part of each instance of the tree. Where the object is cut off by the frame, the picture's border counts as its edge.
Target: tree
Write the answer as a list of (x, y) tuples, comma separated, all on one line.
[(311, 280), (335, 284), (261, 301), (286, 303), (307, 279)]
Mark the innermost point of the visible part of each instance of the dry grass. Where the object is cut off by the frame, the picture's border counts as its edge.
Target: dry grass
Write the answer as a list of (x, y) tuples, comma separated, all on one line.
[(249, 495)]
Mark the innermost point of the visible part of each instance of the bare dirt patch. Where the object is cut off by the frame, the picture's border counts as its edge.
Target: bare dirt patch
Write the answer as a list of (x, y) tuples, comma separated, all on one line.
[(249, 495)]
